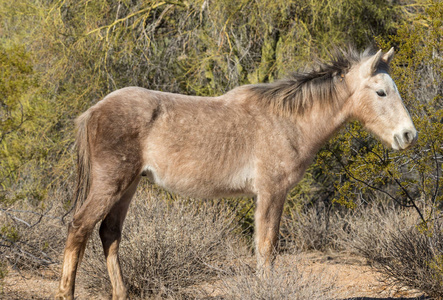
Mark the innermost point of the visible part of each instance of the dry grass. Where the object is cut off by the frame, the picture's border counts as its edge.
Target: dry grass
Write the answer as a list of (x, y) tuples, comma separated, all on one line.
[(30, 237), (392, 239), (169, 245), (172, 248), (404, 251), (286, 281), (314, 228)]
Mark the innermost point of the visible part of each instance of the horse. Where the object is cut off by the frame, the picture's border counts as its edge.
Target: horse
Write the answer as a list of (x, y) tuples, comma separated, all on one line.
[(256, 140)]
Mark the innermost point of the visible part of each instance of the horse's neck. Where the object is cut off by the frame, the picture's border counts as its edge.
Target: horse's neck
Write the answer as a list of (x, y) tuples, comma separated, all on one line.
[(318, 125)]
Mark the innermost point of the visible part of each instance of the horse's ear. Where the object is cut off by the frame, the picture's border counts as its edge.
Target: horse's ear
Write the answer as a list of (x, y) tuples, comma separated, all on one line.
[(371, 65), (374, 61), (387, 57)]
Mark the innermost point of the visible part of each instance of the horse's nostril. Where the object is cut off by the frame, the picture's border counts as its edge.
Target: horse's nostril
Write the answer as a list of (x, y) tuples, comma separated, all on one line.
[(408, 136)]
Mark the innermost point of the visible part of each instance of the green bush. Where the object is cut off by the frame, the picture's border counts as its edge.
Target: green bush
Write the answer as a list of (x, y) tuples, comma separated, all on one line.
[(74, 53), (353, 166)]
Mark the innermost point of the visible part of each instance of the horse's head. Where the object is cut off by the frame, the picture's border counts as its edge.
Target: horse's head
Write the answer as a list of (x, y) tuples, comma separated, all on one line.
[(377, 102)]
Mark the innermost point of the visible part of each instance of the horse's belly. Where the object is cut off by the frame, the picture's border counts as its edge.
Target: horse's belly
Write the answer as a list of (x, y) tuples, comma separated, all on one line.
[(224, 184)]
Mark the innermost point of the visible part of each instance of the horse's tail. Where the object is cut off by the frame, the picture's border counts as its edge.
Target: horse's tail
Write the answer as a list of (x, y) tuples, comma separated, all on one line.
[(83, 160)]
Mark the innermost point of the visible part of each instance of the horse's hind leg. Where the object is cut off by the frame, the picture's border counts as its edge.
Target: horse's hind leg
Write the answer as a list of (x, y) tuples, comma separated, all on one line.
[(79, 231), (101, 198), (110, 234)]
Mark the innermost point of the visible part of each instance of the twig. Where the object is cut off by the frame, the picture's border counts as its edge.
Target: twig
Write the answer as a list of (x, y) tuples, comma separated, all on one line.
[(367, 184), (30, 212), (437, 170), (408, 196)]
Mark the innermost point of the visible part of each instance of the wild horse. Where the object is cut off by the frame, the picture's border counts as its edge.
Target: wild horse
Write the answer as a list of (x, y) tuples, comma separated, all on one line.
[(254, 140)]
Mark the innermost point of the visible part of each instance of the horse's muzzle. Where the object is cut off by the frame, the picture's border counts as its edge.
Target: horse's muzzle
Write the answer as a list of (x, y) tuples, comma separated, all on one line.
[(405, 139)]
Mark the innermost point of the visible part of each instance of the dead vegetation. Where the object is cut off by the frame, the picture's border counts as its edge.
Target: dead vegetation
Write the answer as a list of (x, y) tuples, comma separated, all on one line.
[(30, 240), (172, 248), (286, 281), (393, 240), (405, 253), (170, 245)]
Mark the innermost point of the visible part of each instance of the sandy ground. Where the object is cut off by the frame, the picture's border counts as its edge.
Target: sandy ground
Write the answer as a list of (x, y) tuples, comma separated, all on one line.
[(352, 278)]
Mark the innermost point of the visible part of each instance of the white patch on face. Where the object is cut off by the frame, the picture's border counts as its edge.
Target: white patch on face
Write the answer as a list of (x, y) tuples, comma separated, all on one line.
[(407, 121), (404, 128)]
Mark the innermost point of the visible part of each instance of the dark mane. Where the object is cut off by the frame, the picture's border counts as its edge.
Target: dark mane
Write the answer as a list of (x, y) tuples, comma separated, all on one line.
[(324, 82)]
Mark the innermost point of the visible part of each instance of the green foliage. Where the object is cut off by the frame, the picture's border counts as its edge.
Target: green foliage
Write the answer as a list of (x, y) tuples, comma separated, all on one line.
[(3, 273), (72, 53), (361, 168), (437, 266), (9, 233), (16, 78)]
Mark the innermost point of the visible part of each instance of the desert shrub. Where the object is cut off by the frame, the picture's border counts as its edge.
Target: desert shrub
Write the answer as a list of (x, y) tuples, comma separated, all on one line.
[(354, 167), (336, 228), (408, 255), (355, 170), (405, 251), (3, 273), (285, 282), (73, 53), (31, 239), (311, 228), (168, 246)]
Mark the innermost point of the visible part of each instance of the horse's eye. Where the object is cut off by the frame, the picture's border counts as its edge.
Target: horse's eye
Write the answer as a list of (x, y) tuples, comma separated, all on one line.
[(381, 93)]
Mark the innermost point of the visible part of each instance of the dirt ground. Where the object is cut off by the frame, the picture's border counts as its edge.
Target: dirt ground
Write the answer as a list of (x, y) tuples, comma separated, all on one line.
[(352, 278)]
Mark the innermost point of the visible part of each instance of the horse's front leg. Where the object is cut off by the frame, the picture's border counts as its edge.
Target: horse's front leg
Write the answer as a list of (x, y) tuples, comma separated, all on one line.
[(267, 223)]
